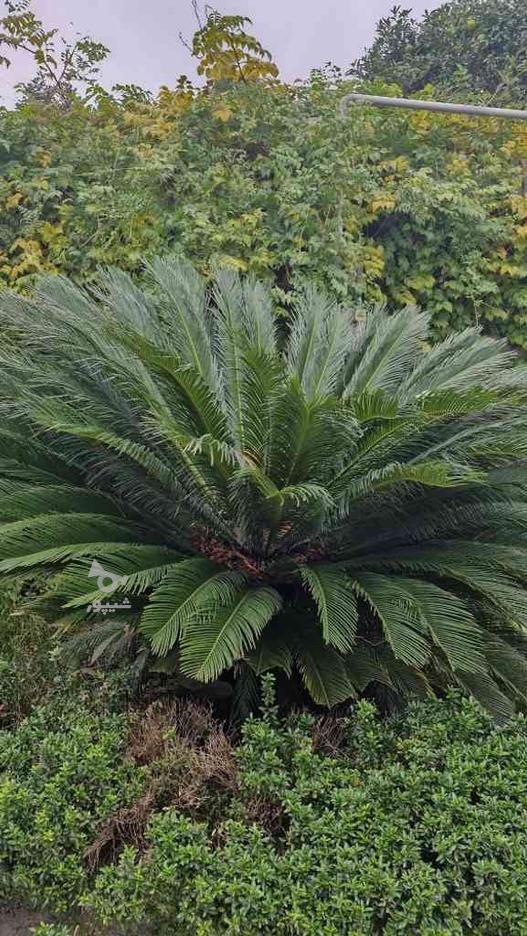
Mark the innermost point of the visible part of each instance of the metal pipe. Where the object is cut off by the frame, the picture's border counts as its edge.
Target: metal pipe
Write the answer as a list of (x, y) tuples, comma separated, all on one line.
[(470, 110)]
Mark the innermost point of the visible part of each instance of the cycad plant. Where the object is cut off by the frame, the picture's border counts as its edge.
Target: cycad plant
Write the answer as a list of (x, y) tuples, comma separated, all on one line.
[(327, 496)]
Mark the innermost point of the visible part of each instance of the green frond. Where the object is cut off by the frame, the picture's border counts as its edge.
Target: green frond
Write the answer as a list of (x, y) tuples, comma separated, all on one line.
[(272, 505), (192, 587), (127, 304), (309, 440), (259, 317), (375, 666), (218, 453), (451, 625), (390, 346), (21, 500), (486, 570), (508, 664), (98, 641), (192, 404), (318, 343), (309, 493), (138, 569), (185, 318), (215, 638), (366, 665), (292, 419), (452, 403), (336, 603), (461, 361), (398, 612), (323, 670), (229, 317), (55, 537), (488, 694), (372, 405), (275, 647), (433, 473), (260, 379)]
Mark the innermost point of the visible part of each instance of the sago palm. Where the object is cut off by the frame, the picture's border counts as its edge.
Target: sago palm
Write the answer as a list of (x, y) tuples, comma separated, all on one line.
[(334, 497)]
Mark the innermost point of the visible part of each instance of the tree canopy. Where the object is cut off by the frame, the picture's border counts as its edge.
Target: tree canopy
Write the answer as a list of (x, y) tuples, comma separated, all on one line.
[(464, 47)]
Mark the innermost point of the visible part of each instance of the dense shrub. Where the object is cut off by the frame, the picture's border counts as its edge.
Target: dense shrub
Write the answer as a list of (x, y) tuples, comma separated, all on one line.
[(27, 668), (275, 181), (418, 826), (463, 47), (413, 825), (36, 667), (54, 929), (62, 773)]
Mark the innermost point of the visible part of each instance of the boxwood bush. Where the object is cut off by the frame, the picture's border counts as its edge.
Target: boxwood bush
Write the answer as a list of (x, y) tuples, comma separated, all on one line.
[(61, 773), (417, 826), (28, 671), (356, 825)]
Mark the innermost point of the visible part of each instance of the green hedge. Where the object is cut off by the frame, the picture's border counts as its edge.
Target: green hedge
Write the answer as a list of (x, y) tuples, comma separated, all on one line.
[(355, 826), (381, 205), (27, 667), (62, 774)]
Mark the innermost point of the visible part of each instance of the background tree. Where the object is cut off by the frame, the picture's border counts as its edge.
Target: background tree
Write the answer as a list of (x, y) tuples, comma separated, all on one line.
[(226, 51), (464, 47), (62, 67)]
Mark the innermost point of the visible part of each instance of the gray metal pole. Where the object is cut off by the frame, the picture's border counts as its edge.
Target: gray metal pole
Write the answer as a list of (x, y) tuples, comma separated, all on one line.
[(470, 110)]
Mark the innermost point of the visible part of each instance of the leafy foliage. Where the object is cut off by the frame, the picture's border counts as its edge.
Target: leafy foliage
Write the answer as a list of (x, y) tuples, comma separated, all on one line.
[(27, 668), (416, 826), (413, 824), (61, 67), (227, 52), (61, 773), (272, 179), (53, 929), (335, 499), (463, 46)]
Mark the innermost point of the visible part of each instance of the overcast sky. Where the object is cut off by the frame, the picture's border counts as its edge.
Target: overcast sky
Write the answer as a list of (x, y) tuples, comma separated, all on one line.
[(145, 48)]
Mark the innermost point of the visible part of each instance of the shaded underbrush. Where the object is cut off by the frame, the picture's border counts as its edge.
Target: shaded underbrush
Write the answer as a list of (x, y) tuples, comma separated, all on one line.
[(161, 820)]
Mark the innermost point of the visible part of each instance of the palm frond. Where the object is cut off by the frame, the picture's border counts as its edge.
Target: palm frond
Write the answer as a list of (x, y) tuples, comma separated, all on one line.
[(215, 638), (390, 347), (191, 586), (336, 603), (318, 343), (323, 670), (401, 621), (185, 317), (334, 495)]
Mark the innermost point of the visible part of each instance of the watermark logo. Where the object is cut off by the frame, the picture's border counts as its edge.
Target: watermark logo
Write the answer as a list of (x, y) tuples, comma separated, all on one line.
[(107, 582)]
